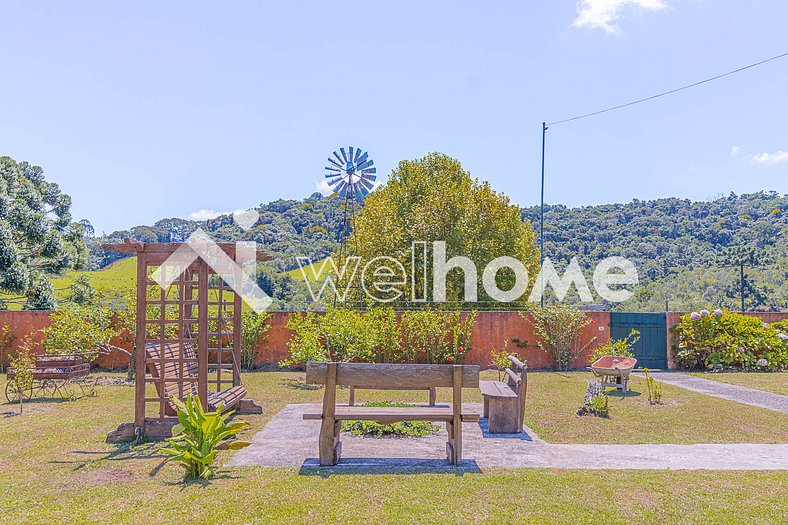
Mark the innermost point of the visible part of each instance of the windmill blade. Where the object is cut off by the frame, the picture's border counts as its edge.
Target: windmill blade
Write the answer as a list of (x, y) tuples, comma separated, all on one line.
[(342, 187), (370, 170), (332, 175), (338, 158), (363, 157), (369, 177), (335, 182), (366, 184), (331, 168), (344, 157), (350, 153), (358, 154)]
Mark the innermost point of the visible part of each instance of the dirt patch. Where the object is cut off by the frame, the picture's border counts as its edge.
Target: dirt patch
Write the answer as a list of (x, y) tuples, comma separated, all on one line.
[(114, 381), (104, 476)]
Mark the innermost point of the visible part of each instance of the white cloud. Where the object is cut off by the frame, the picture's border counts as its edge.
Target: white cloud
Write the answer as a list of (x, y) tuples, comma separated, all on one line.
[(735, 151), (323, 187), (204, 215), (770, 159), (604, 14)]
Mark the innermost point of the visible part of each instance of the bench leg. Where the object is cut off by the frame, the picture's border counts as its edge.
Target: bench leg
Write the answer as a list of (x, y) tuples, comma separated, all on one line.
[(433, 396), (450, 453), (352, 400), (330, 448)]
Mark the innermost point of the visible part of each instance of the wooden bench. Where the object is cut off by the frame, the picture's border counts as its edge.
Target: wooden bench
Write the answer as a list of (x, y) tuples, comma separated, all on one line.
[(390, 376), (504, 402), (180, 376)]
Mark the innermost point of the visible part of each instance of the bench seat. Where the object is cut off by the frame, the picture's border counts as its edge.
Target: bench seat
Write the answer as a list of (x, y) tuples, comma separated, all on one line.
[(496, 389), (230, 398), (394, 414)]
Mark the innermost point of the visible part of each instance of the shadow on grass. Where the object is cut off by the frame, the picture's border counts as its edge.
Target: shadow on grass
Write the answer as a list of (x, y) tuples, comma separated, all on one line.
[(403, 466), (122, 452), (199, 482), (300, 385), (619, 394)]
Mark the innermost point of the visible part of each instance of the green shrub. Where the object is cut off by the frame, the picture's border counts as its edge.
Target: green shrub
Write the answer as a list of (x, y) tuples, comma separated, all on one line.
[(595, 402), (559, 328), (22, 364), (654, 389), (618, 347), (253, 327), (80, 329), (500, 359), (402, 428), (436, 336), (780, 326), (305, 344), (375, 336), (199, 435), (726, 339)]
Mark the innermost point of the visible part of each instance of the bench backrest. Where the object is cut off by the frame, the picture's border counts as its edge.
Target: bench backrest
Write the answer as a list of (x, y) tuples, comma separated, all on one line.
[(392, 376), (180, 366), (517, 379)]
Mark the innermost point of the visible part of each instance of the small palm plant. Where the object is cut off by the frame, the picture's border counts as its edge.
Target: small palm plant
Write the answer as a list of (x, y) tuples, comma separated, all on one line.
[(199, 435)]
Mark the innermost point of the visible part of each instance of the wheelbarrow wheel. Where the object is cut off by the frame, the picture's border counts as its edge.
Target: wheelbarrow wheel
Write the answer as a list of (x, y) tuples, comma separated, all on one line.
[(12, 394)]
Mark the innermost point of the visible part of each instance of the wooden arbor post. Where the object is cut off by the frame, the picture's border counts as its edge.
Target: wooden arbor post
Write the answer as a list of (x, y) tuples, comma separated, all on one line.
[(174, 322)]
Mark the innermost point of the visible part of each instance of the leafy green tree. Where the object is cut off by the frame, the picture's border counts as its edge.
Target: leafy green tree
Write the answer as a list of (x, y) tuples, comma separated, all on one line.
[(37, 236), (434, 199)]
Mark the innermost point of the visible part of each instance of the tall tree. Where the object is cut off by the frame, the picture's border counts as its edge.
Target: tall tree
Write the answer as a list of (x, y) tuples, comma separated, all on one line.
[(434, 199), (37, 236)]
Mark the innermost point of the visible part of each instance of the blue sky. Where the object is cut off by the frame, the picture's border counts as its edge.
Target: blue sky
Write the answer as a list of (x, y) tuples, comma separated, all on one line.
[(156, 109)]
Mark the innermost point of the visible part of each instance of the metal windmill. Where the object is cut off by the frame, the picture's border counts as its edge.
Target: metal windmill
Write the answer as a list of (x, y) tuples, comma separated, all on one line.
[(350, 174)]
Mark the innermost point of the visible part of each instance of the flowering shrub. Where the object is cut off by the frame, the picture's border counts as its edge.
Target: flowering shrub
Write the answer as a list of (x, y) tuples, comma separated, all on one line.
[(728, 340)]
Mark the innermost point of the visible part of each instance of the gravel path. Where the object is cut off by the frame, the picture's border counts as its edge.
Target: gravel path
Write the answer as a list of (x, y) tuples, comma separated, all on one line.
[(740, 394), (288, 441)]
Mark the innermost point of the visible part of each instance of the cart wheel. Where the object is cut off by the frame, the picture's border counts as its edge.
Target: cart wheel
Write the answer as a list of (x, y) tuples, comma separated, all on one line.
[(12, 395)]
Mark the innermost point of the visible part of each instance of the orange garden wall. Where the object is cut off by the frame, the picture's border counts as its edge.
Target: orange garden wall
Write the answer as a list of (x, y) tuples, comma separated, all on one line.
[(490, 332)]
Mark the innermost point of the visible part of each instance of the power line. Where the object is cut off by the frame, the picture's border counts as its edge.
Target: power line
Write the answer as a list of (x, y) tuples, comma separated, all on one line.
[(668, 92)]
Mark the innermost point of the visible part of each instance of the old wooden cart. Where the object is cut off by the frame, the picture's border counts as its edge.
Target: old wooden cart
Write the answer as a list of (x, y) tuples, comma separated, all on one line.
[(56, 375)]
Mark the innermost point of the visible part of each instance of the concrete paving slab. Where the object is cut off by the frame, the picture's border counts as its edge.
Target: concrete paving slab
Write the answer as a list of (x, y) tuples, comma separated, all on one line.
[(289, 441), (740, 394)]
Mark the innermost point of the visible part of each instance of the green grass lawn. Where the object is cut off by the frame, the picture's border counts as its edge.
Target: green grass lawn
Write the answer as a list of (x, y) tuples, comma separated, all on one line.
[(775, 382), (56, 468)]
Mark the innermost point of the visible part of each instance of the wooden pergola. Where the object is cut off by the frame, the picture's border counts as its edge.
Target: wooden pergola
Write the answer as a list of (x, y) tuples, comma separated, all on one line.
[(188, 338)]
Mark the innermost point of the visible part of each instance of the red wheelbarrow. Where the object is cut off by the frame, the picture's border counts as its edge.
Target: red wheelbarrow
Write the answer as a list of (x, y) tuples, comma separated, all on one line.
[(613, 371)]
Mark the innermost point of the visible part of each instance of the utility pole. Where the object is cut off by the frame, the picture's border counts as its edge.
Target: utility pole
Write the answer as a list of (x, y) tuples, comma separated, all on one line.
[(541, 222), (741, 280)]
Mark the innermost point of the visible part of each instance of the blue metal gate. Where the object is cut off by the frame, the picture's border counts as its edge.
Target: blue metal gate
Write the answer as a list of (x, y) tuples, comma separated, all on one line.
[(651, 350)]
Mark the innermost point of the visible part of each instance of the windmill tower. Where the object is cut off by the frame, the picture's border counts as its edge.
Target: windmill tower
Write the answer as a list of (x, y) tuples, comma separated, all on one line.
[(350, 174)]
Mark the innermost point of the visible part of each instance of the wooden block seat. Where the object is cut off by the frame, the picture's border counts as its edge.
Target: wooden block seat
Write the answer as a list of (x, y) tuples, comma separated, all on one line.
[(504, 402), (392, 376)]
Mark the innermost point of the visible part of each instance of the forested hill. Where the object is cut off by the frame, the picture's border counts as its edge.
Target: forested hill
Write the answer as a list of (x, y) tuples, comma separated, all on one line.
[(675, 243)]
